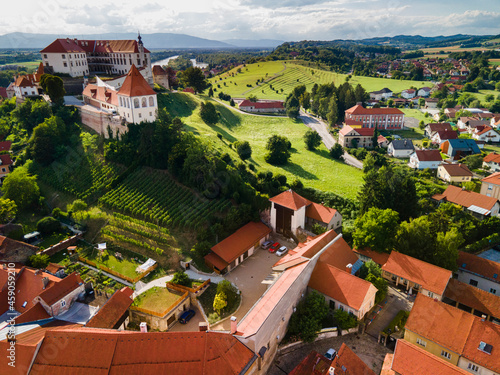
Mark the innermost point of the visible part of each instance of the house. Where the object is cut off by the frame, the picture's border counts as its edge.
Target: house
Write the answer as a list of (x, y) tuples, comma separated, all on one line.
[(423, 159), (416, 275), (434, 127), (408, 94), (15, 251), (160, 76), (5, 164), (368, 254), (476, 204), (401, 148), (479, 272), (454, 172), (55, 269), (313, 364), (490, 186), (360, 137), (441, 136), (431, 103), (495, 122), (492, 161), (459, 148), (290, 211), (230, 252), (80, 58), (342, 290), (261, 107), (114, 313), (105, 106), (485, 134), (10, 91), (382, 141), (3, 93), (383, 94), (382, 118), (424, 91), (347, 362)]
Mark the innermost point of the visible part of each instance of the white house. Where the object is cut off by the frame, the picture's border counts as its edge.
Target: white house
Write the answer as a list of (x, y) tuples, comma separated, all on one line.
[(383, 94), (423, 159), (479, 272), (408, 94), (401, 148), (485, 134), (424, 91), (492, 161)]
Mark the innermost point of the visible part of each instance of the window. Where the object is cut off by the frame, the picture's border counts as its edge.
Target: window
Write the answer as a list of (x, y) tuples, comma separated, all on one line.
[(151, 101), (65, 64), (3, 169), (473, 282), (150, 113), (140, 115), (63, 56), (332, 305), (473, 367), (490, 187), (63, 303), (445, 354), (430, 294), (45, 56), (421, 342), (493, 291), (136, 103), (144, 102)]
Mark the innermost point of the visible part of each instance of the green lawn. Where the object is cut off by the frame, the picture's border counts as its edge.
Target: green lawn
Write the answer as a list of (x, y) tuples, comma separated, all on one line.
[(53, 239), (124, 267), (481, 95), (156, 299), (314, 168)]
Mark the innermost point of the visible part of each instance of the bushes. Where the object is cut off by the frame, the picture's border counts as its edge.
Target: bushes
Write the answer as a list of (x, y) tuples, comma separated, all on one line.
[(48, 225), (344, 320), (208, 113), (181, 278), (398, 321), (306, 320), (336, 151), (243, 149), (278, 150), (39, 261), (312, 139)]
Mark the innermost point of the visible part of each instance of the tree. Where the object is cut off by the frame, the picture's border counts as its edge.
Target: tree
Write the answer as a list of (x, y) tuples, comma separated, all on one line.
[(306, 320), (208, 113), (89, 141), (278, 150), (474, 161), (318, 229), (31, 113), (305, 100), (381, 284), (337, 152), (77, 205), (39, 261), (181, 278), (219, 302), (243, 149), (194, 77), (376, 230), (211, 92), (21, 187), (232, 103), (229, 290), (344, 319), (53, 87), (370, 267), (421, 125), (252, 98), (48, 225), (312, 139), (333, 114), (47, 139), (292, 105), (8, 210)]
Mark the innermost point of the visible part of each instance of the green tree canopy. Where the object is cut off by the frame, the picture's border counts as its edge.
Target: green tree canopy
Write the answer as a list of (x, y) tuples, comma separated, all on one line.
[(47, 139), (337, 152), (194, 77), (53, 87), (181, 278), (39, 261), (8, 210), (306, 320), (220, 302), (312, 139), (243, 149), (278, 150), (376, 229), (48, 225), (32, 113), (21, 187), (208, 113)]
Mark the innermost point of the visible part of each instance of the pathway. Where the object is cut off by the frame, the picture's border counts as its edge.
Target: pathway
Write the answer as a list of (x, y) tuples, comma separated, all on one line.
[(107, 274)]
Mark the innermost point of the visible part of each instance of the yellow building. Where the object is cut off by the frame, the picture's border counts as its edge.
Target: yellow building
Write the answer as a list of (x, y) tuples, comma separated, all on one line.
[(454, 173)]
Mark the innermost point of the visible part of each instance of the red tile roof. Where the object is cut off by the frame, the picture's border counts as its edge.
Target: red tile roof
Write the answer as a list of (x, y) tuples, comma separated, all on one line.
[(379, 258), (350, 122), (5, 159), (348, 360), (36, 312), (88, 46), (313, 364), (23, 81), (261, 105), (440, 323), (429, 276), (428, 155), (5, 145), (3, 92), (409, 359), (320, 213), (240, 241), (480, 266), (101, 93), (340, 285), (484, 130), (466, 198), (492, 157), (360, 110), (61, 289), (489, 333), (24, 356), (493, 178), (365, 132), (444, 134), (159, 71), (110, 314), (291, 200), (53, 268), (457, 170), (135, 84), (440, 126)]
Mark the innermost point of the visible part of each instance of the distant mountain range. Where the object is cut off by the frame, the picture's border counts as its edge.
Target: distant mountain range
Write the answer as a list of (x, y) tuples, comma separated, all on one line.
[(151, 41)]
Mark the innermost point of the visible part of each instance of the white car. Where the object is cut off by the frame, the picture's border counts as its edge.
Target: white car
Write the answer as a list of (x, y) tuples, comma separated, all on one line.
[(281, 251), (330, 354)]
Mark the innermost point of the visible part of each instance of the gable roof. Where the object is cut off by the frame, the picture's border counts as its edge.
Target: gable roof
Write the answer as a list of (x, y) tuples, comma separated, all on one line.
[(360, 110), (159, 71), (379, 258), (492, 157), (488, 333), (365, 132), (135, 84), (291, 200), (402, 144), (464, 145), (340, 285), (261, 105), (493, 178), (23, 81), (457, 169), (428, 155), (347, 362), (429, 276), (5, 145), (439, 322), (484, 130), (313, 364), (385, 90), (61, 289), (112, 311), (5, 159), (33, 314), (465, 198), (446, 134), (101, 93), (479, 266), (320, 213), (87, 46)]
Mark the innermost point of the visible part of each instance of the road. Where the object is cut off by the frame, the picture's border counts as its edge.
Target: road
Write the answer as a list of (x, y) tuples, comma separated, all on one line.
[(328, 140)]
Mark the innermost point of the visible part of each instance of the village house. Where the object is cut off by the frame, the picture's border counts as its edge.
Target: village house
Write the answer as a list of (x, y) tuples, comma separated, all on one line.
[(114, 313), (431, 103), (408, 94), (368, 254), (495, 122), (382, 141), (490, 186), (261, 107), (492, 161), (28, 86), (434, 127), (479, 272), (416, 275), (459, 148), (290, 211), (15, 251), (441, 136), (485, 134), (347, 362), (478, 205), (454, 173), (401, 148), (383, 94), (356, 137), (423, 159), (382, 118), (160, 77), (5, 164), (424, 91)]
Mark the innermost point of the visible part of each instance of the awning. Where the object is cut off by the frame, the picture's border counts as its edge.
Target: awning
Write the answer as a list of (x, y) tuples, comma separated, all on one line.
[(216, 261), (479, 210)]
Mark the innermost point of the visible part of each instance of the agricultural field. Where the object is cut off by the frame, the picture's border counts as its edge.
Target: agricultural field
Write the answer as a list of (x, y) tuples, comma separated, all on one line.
[(277, 84), (314, 168), (495, 62)]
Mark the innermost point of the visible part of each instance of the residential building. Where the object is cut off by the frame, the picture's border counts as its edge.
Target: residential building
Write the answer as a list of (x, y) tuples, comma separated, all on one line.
[(433, 127), (423, 159), (479, 272), (290, 211), (401, 148), (382, 118), (382, 141), (160, 77), (261, 107), (441, 136), (424, 91), (485, 134), (367, 254), (15, 251), (383, 94), (28, 86), (490, 186), (114, 313), (5, 164), (3, 93), (431, 103), (416, 275), (233, 250), (356, 137), (478, 205), (408, 94), (313, 364), (459, 148), (492, 161), (347, 362), (454, 173)]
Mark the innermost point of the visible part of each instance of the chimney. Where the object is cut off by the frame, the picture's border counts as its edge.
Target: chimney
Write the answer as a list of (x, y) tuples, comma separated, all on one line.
[(234, 324), (45, 281), (483, 318), (144, 327), (203, 326)]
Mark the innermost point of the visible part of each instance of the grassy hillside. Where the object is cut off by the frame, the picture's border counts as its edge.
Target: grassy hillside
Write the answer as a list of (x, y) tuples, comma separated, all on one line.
[(315, 169), (280, 77)]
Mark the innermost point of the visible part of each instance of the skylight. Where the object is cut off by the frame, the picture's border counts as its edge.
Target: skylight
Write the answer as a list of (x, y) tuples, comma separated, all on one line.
[(484, 347)]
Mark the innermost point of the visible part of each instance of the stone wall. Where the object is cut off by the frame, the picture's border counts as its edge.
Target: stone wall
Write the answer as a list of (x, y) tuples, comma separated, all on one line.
[(99, 121)]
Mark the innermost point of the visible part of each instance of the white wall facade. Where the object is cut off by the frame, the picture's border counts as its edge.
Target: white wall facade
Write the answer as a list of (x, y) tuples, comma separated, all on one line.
[(138, 108), (74, 64), (299, 219), (474, 368), (22, 92), (482, 283)]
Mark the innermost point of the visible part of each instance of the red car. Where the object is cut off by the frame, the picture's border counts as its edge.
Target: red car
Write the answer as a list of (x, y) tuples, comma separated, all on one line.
[(275, 246)]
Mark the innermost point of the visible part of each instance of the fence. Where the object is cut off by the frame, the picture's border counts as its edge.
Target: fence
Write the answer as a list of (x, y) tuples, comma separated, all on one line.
[(63, 245), (117, 274), (163, 314), (182, 288)]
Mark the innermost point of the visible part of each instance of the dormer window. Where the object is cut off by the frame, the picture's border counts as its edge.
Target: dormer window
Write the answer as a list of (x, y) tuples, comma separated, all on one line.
[(24, 304)]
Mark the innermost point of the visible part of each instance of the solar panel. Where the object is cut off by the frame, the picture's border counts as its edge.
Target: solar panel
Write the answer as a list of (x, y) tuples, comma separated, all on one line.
[(484, 347)]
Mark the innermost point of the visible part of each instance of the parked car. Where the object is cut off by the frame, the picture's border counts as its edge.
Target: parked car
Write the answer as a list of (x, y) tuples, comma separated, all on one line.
[(186, 316), (274, 247), (266, 245), (282, 251), (330, 354)]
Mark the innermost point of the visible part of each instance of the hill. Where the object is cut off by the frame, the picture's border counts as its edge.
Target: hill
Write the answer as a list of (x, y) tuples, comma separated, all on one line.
[(251, 43)]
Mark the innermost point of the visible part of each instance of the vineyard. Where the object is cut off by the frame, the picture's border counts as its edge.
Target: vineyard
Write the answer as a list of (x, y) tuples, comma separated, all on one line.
[(153, 196)]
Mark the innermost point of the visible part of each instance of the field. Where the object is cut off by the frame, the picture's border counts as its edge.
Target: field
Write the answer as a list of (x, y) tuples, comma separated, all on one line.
[(278, 78), (495, 62), (125, 266), (314, 168), (156, 299)]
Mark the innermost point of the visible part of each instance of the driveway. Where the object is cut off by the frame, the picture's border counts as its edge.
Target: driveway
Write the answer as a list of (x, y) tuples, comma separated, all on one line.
[(192, 325)]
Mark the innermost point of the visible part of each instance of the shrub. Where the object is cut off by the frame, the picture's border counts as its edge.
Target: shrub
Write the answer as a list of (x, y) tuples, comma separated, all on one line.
[(230, 292), (243, 149), (312, 139), (39, 261), (48, 225), (278, 150), (344, 320), (181, 278), (336, 151), (318, 229)]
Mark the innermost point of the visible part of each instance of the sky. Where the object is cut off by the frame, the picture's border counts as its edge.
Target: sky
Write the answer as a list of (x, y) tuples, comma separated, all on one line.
[(289, 20)]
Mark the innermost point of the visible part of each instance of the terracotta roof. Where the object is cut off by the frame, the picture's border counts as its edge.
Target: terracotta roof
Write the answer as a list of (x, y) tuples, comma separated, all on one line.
[(445, 134), (339, 255), (240, 241), (346, 129), (485, 129), (5, 159), (36, 334), (340, 285), (110, 314), (428, 155), (492, 157), (488, 333), (493, 178), (360, 110), (387, 365), (261, 105), (379, 258), (350, 122), (471, 296), (347, 362), (159, 71), (135, 84), (409, 359), (36, 312), (320, 213), (429, 276), (457, 169), (23, 81), (291, 200), (313, 364), (61, 289), (53, 268), (441, 323), (381, 139), (101, 94), (216, 261), (88, 46), (5, 145), (24, 356), (466, 198), (3, 92), (479, 266)]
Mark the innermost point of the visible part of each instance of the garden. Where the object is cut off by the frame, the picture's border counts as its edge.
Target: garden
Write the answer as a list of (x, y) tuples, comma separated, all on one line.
[(157, 299), (220, 301)]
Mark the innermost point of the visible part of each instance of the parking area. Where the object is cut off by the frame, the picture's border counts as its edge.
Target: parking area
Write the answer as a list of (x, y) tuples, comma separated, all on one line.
[(192, 325)]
